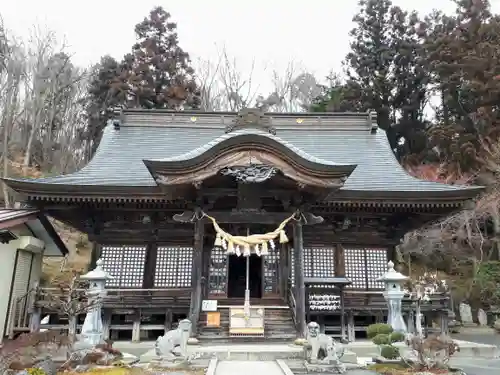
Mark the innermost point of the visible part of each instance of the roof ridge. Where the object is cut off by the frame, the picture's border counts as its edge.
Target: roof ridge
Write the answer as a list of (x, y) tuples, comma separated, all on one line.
[(214, 120)]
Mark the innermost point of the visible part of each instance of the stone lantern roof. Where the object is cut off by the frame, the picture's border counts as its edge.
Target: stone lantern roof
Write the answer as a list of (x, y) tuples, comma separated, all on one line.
[(98, 273), (392, 275)]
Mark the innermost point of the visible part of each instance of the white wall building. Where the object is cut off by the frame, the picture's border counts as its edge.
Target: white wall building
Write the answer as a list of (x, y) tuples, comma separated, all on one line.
[(26, 236)]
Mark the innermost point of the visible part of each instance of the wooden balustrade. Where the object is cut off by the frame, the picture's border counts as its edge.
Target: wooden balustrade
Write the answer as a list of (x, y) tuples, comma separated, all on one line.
[(130, 298)]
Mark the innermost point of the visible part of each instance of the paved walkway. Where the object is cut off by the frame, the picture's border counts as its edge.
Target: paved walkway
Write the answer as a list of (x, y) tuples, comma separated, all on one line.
[(248, 368), (477, 366)]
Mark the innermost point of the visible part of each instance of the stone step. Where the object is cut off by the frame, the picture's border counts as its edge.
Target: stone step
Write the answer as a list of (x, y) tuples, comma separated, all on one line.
[(245, 339)]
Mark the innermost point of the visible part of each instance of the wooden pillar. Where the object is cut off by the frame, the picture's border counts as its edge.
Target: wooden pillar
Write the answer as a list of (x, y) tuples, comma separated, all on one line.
[(148, 280), (283, 270), (342, 315), (94, 255), (340, 272), (168, 320), (136, 326), (196, 276), (339, 261), (351, 332), (300, 297), (392, 254), (207, 253)]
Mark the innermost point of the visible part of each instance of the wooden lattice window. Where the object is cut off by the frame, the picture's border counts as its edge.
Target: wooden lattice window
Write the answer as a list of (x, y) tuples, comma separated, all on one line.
[(363, 266), (318, 262), (173, 267), (376, 266), (355, 268), (126, 265), (217, 278), (323, 261), (271, 265)]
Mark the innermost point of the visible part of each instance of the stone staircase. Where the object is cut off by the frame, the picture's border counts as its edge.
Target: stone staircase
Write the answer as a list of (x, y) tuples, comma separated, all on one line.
[(278, 327)]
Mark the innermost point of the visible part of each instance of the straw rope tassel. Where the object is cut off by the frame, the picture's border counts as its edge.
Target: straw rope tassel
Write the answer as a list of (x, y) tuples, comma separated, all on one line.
[(251, 240)]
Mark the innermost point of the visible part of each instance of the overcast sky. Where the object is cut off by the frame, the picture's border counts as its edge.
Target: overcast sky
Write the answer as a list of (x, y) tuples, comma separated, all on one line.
[(313, 33)]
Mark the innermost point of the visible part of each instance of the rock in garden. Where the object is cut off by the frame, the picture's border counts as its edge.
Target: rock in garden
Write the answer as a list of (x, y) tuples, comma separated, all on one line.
[(47, 366)]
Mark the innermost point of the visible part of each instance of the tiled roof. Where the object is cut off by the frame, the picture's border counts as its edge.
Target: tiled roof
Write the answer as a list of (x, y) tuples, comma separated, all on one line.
[(10, 217), (119, 159), (12, 214)]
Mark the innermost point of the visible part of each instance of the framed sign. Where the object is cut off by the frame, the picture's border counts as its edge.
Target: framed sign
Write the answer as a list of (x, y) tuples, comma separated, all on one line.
[(213, 319), (209, 305)]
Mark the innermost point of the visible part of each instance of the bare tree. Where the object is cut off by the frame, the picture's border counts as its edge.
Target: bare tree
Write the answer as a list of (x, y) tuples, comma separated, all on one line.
[(294, 90), (50, 94), (41, 105), (464, 240), (224, 87), (11, 73)]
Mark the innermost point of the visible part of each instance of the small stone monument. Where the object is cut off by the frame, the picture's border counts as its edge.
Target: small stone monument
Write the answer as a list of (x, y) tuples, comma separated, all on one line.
[(482, 318), (394, 294), (92, 330), (466, 315)]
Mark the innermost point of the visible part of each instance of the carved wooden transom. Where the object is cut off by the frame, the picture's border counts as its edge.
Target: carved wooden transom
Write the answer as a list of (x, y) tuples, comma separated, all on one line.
[(173, 267), (125, 264)]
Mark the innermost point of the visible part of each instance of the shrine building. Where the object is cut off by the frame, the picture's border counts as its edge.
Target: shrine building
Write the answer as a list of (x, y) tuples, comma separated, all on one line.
[(249, 223)]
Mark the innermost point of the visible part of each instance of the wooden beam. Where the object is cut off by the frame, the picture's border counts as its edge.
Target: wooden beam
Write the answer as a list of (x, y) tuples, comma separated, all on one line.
[(247, 217), (300, 296)]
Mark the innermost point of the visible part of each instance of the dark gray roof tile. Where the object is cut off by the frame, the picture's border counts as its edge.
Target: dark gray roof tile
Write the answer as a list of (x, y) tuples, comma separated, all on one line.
[(119, 159)]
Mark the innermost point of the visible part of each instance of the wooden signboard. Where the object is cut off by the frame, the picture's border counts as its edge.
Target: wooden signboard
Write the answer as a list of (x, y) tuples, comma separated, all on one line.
[(213, 319)]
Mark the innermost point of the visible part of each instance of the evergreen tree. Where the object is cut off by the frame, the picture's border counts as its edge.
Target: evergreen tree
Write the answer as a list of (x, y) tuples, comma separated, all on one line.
[(160, 75), (338, 96), (386, 71), (107, 91), (156, 74), (463, 53)]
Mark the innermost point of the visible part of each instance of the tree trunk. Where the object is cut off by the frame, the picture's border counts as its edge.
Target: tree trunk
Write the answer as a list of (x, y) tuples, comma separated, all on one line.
[(7, 119)]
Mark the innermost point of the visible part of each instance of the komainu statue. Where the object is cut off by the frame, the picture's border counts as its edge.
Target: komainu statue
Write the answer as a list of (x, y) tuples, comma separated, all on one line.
[(166, 345), (325, 352)]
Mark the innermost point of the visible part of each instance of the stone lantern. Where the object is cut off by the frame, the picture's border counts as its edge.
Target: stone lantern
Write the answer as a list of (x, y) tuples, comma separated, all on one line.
[(92, 330), (393, 294)]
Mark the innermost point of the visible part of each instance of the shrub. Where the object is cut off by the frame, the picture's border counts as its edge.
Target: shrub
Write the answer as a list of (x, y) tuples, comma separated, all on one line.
[(382, 339), (379, 328), (35, 371), (389, 352), (397, 337)]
